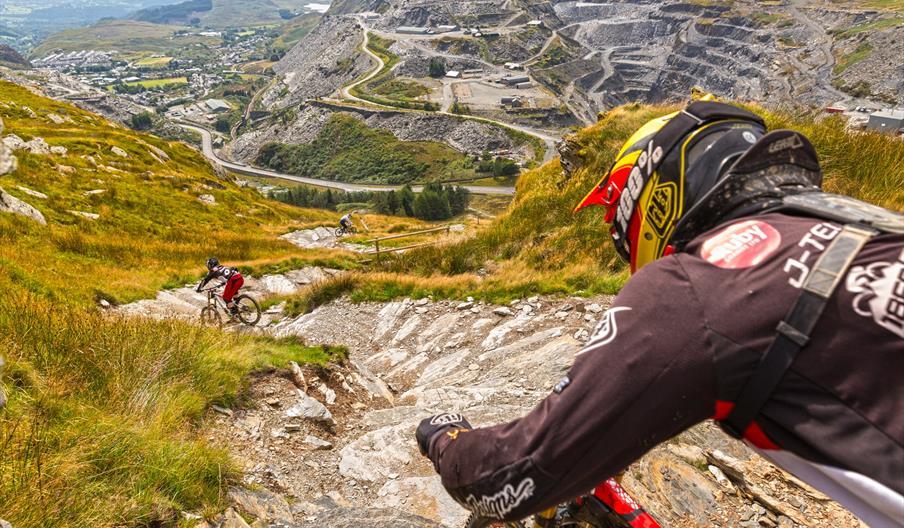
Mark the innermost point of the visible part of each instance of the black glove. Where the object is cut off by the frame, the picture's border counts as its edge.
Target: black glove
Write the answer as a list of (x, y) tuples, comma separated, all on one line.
[(431, 427)]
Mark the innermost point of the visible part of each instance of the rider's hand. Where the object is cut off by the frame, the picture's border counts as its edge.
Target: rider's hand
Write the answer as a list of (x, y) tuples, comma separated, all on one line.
[(431, 427)]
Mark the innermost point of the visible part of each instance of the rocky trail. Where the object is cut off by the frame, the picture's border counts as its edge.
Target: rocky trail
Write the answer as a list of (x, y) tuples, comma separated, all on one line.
[(334, 447)]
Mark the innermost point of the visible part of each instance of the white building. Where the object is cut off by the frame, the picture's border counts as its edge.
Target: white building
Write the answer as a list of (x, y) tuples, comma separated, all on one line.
[(217, 105)]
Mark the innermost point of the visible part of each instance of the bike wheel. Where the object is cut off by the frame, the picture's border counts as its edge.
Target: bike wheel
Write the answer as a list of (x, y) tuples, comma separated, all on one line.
[(210, 317), (249, 312), (475, 521), (339, 232)]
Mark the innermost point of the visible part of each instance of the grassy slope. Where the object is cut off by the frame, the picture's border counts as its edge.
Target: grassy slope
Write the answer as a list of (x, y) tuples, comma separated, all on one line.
[(129, 37), (152, 226), (101, 425), (539, 246), (347, 150), (241, 13)]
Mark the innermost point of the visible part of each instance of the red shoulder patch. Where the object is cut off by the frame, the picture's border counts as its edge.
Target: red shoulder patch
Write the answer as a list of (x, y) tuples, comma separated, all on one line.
[(741, 245)]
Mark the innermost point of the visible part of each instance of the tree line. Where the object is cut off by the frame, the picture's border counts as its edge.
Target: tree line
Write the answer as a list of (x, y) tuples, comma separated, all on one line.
[(435, 202)]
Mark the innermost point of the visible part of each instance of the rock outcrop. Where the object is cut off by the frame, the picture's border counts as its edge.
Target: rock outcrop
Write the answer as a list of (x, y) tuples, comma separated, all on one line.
[(8, 162), (13, 205)]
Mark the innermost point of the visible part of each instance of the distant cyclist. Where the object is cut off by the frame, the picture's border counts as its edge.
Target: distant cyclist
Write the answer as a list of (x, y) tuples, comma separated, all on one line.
[(233, 278), (756, 300), (346, 222)]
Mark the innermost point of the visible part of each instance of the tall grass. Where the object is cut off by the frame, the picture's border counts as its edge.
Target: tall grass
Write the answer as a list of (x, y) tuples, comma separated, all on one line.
[(99, 429), (102, 424)]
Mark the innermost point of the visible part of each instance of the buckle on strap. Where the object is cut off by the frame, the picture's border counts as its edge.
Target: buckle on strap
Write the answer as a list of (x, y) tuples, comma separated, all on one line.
[(799, 338), (837, 258)]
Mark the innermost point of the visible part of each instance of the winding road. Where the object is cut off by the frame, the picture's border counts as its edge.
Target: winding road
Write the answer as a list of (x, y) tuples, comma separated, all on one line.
[(549, 140), (210, 153)]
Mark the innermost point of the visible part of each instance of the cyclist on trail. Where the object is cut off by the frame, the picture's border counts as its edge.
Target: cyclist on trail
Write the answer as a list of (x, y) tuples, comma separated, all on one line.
[(346, 222), (233, 277), (757, 300)]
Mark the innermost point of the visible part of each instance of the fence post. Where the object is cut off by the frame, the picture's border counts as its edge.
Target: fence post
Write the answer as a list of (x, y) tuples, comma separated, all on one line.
[(377, 244)]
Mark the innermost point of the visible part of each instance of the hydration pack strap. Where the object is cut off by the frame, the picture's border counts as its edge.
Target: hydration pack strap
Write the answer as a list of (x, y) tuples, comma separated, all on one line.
[(794, 330)]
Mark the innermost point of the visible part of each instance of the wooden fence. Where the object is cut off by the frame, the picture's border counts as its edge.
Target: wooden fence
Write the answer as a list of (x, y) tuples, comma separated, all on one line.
[(376, 242)]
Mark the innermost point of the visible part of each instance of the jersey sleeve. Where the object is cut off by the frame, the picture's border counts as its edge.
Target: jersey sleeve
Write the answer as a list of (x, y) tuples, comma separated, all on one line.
[(646, 375), (206, 279)]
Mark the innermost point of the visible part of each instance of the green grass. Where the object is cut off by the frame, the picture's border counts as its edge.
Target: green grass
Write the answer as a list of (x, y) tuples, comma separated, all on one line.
[(863, 51), (879, 5), (555, 54), (154, 62), (157, 83), (347, 150), (401, 89), (368, 91), (152, 226), (767, 19), (104, 425), (877, 25), (98, 430)]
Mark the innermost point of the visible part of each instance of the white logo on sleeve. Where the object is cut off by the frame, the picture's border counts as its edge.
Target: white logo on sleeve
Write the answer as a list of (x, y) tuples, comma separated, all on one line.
[(446, 418), (879, 293), (606, 330), (499, 504)]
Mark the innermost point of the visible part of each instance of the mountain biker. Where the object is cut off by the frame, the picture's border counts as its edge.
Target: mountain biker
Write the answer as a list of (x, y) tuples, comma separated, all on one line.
[(346, 222), (756, 300), (234, 281)]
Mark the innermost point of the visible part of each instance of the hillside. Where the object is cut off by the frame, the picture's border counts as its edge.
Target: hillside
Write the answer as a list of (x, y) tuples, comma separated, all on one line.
[(99, 414), (294, 30), (539, 278), (12, 58), (180, 13), (596, 55), (129, 37)]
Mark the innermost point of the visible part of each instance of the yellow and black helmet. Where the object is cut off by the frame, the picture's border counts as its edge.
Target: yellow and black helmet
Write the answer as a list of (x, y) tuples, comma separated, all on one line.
[(665, 169)]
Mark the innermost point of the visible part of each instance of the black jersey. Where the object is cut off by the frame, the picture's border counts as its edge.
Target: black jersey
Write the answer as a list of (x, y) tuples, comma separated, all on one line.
[(677, 346)]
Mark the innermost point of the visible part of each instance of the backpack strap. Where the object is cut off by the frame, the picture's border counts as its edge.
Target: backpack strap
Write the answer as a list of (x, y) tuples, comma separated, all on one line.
[(793, 332)]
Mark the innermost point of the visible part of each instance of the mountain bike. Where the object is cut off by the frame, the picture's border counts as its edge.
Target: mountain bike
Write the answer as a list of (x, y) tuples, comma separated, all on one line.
[(247, 310), (342, 231), (608, 506)]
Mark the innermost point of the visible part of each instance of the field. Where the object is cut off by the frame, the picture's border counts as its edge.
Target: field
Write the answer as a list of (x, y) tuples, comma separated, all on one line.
[(133, 39), (257, 67), (157, 83), (154, 62)]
